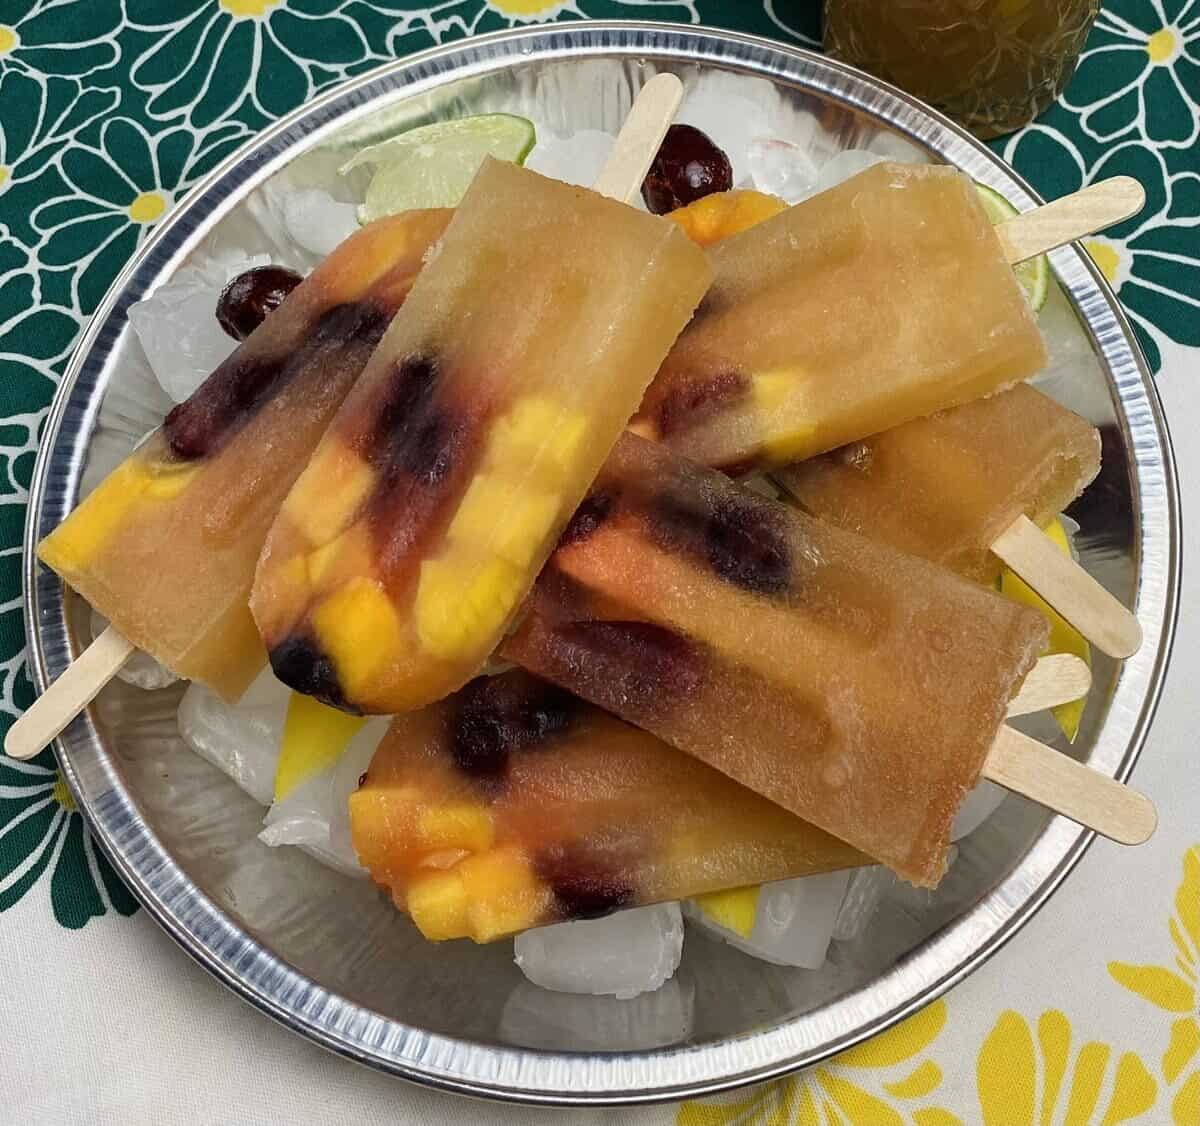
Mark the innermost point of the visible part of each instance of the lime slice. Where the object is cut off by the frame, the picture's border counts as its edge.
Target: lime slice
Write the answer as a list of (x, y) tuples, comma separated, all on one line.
[(432, 165), (1034, 275)]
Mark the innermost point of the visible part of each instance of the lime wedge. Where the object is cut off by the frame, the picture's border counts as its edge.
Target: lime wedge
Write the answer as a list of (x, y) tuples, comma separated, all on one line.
[(432, 165), (1033, 275)]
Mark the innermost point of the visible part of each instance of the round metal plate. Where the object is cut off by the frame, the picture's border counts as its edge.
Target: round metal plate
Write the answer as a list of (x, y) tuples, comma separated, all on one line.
[(321, 953)]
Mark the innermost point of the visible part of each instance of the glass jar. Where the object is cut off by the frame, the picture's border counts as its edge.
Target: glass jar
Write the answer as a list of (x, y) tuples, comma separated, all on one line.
[(992, 65)]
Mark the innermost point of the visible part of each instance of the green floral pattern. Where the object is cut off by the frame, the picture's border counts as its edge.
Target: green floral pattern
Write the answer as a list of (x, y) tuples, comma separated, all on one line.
[(110, 110)]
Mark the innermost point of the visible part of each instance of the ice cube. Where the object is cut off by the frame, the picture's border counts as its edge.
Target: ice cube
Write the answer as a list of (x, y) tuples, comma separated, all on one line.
[(863, 894), (793, 920), (622, 955), (734, 112), (141, 670), (574, 160), (540, 1019), (316, 220), (177, 324), (847, 163), (978, 806), (241, 739), (781, 169), (314, 815)]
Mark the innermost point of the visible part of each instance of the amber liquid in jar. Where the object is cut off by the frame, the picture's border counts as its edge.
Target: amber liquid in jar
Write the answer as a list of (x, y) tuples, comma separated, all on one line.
[(993, 65)]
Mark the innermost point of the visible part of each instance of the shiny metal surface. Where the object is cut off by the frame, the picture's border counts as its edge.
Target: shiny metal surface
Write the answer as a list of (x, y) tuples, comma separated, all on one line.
[(322, 953)]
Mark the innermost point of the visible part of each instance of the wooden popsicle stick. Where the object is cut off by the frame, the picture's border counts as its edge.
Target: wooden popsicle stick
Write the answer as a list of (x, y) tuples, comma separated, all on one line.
[(1063, 583), (1057, 679), (1064, 220), (637, 144), (68, 695), (1058, 782)]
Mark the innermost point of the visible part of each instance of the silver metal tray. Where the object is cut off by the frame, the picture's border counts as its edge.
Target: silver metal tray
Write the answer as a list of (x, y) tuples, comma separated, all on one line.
[(323, 954)]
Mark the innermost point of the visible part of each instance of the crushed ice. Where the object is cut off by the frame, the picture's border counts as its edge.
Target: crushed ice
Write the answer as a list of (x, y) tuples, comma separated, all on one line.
[(177, 324), (574, 160), (623, 954), (793, 920), (241, 739)]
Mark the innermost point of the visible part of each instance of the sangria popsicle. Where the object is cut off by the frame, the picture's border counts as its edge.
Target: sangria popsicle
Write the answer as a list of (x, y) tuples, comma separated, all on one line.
[(440, 488), (165, 547), (855, 686)]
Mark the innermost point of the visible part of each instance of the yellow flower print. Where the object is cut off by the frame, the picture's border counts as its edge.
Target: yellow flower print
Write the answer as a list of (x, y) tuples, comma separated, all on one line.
[(1007, 1073), (837, 1094), (1176, 991), (529, 9)]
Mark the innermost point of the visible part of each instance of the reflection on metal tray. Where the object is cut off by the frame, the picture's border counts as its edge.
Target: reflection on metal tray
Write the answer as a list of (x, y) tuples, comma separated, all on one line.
[(325, 954)]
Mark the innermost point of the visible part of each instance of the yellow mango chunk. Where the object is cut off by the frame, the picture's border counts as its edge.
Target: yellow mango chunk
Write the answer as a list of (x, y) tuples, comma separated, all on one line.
[(461, 825), (1064, 637), (733, 909), (381, 820), (536, 428), (503, 894), (770, 391), (357, 627), (80, 538), (314, 737), (461, 602), (437, 903), (717, 216), (515, 527), (329, 493)]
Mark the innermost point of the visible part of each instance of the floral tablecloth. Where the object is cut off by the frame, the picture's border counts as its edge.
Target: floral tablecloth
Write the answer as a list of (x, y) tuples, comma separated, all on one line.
[(109, 109)]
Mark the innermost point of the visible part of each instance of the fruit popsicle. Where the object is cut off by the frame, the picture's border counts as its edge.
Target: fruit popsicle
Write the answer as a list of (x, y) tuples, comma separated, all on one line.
[(512, 804), (857, 687), (443, 483), (165, 547), (946, 486), (881, 300)]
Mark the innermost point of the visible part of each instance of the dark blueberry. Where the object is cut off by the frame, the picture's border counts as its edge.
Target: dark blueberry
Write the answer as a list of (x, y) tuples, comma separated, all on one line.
[(432, 448), (410, 385), (687, 167), (587, 518), (299, 664), (351, 320), (198, 426), (229, 397), (584, 886), (689, 402), (245, 302), (411, 434), (736, 535), (632, 667), (746, 548), (494, 716)]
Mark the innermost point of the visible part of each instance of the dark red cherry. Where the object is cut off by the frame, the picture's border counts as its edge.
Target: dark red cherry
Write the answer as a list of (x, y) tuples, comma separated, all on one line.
[(688, 166), (245, 302)]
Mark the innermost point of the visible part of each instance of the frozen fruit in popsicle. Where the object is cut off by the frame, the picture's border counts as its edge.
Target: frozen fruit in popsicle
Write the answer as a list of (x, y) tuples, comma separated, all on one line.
[(878, 301), (512, 804), (405, 547), (946, 486), (165, 547), (855, 686)]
